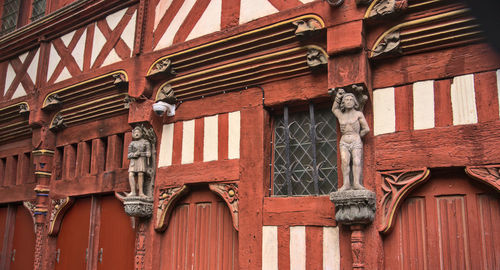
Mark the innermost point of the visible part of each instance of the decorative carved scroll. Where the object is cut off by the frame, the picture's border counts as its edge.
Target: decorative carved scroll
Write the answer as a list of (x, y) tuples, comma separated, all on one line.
[(166, 94), (395, 186), (167, 198), (306, 27), (31, 207), (59, 208), (489, 174), (229, 192), (140, 247), (357, 247), (53, 101), (316, 58), (383, 8), (58, 122), (389, 45)]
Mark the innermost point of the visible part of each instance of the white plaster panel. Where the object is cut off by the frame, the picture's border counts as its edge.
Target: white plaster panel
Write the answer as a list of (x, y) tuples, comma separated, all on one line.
[(423, 105), (168, 37), (331, 248), (99, 41), (209, 22), (498, 89), (187, 142), (23, 56), (166, 146), (33, 67), (384, 111), (79, 50), (161, 9), (234, 135), (114, 19), (54, 59), (128, 34), (306, 1), (211, 138), (20, 91), (64, 75), (11, 75), (66, 39), (111, 58), (463, 100), (254, 9), (297, 248), (269, 248)]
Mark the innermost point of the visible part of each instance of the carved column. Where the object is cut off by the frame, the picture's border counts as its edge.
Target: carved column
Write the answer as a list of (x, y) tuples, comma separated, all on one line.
[(140, 246)]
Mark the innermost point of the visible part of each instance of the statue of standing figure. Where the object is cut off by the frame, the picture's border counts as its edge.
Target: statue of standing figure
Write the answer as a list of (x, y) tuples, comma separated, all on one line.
[(139, 154), (353, 126)]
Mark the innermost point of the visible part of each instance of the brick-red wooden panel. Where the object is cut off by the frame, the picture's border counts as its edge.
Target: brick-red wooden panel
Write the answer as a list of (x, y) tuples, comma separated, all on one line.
[(115, 224), (200, 235), (73, 238), (489, 217), (3, 221), (24, 241)]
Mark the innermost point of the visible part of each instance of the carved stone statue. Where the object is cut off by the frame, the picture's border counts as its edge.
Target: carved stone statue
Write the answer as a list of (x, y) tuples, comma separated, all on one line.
[(353, 126), (139, 154)]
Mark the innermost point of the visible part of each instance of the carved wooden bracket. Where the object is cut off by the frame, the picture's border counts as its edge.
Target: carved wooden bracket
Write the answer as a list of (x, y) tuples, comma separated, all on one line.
[(395, 186), (383, 8), (162, 67), (390, 45), (31, 207), (489, 174), (57, 122), (166, 94), (59, 208), (229, 192), (307, 26), (316, 58), (167, 198), (24, 108), (53, 101)]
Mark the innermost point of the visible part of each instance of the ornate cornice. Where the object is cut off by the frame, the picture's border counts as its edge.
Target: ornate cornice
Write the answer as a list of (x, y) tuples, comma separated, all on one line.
[(396, 185), (488, 174), (59, 208), (166, 202), (229, 192)]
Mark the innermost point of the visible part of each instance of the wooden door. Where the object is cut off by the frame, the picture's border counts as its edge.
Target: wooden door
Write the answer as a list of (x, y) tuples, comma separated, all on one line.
[(3, 223), (452, 222), (116, 237), (73, 238), (23, 244), (200, 235)]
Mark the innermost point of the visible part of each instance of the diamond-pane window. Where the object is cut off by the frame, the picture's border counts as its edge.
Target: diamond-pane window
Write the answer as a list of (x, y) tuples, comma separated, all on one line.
[(10, 15), (38, 10), (305, 153)]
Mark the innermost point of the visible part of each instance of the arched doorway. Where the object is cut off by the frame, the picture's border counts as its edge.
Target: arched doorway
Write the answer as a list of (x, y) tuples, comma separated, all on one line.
[(449, 223), (200, 235)]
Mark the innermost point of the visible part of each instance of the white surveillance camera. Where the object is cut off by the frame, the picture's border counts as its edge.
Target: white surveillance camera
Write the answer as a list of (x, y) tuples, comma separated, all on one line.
[(161, 107)]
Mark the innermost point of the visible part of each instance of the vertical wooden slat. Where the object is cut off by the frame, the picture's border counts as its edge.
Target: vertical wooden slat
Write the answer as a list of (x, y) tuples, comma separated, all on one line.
[(314, 247), (98, 156), (489, 218), (24, 241), (486, 98), (223, 130), (442, 99), (83, 158), (403, 107), (199, 128), (283, 247), (3, 223), (177, 148), (3, 163), (58, 164), (11, 171), (114, 152)]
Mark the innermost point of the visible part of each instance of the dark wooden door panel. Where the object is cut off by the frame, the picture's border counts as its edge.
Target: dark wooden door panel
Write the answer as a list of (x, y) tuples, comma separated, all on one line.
[(450, 223), (3, 222), (73, 237), (200, 235), (23, 246), (116, 237)]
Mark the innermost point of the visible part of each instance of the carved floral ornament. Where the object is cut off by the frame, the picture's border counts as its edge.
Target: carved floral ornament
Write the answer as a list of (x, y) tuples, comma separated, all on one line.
[(396, 185), (229, 192), (488, 174), (59, 208)]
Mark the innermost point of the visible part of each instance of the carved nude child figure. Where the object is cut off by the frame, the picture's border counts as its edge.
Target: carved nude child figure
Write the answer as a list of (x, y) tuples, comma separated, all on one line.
[(353, 126), (139, 153)]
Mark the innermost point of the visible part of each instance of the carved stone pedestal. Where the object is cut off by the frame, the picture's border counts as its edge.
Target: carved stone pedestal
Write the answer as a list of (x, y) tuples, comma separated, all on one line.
[(136, 206), (355, 208)]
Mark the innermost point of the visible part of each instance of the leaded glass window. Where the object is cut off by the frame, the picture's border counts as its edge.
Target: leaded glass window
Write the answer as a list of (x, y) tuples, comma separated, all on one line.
[(38, 10), (10, 15), (305, 153)]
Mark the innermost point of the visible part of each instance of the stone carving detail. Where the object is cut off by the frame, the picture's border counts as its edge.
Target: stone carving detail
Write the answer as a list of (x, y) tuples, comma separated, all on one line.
[(229, 192), (31, 206), (316, 58), (306, 27), (489, 174), (354, 206), (166, 94), (53, 101), (140, 247), (388, 7), (167, 198), (24, 108), (395, 185), (39, 230), (335, 3), (57, 122), (120, 78), (59, 208), (163, 66), (136, 206), (127, 100), (389, 45)]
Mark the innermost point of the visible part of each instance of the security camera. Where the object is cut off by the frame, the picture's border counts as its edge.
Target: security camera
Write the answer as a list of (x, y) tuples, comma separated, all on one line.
[(161, 107)]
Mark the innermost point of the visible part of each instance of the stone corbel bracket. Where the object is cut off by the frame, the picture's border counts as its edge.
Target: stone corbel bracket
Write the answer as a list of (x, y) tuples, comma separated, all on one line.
[(385, 8), (396, 185), (166, 202), (389, 45), (166, 94), (316, 58), (161, 68), (229, 192), (52, 102), (57, 122), (335, 3), (59, 208), (307, 26), (488, 174)]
